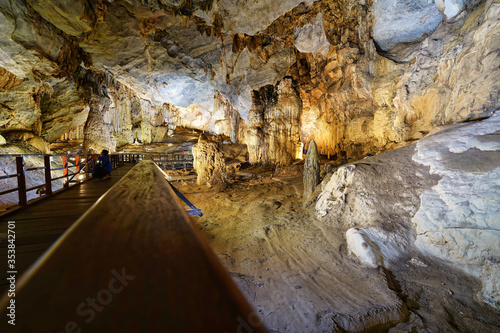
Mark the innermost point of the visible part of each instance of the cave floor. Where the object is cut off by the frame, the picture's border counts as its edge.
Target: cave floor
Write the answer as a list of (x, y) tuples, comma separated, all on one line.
[(299, 277)]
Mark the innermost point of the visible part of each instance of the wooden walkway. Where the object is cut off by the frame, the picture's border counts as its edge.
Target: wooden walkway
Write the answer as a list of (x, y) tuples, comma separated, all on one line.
[(40, 224), (134, 262)]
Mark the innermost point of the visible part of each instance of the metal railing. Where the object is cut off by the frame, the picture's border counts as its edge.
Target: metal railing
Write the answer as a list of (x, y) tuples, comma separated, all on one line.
[(177, 160), (75, 169)]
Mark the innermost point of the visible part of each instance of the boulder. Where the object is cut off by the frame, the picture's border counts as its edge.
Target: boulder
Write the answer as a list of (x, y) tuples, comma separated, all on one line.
[(358, 244)]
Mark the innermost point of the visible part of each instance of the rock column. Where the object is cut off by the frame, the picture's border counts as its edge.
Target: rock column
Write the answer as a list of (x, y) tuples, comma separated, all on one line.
[(312, 170), (209, 162), (97, 134)]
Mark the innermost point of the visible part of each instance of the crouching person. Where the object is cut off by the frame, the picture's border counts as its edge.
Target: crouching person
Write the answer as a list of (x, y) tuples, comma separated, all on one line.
[(103, 169)]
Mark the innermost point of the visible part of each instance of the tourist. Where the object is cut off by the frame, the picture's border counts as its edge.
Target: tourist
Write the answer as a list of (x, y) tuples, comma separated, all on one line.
[(103, 169)]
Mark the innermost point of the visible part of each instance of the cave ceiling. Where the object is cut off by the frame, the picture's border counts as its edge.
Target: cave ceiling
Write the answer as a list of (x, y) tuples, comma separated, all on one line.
[(177, 52), (182, 52), (356, 76)]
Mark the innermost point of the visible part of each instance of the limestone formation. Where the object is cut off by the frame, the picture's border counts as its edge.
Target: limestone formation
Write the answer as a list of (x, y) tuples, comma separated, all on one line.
[(358, 244), (345, 78), (490, 278), (311, 37), (97, 134), (312, 168), (459, 218), (230, 120), (438, 197), (333, 193), (353, 99), (451, 8), (209, 162), (20, 101), (62, 110), (274, 135), (403, 21), (356, 102)]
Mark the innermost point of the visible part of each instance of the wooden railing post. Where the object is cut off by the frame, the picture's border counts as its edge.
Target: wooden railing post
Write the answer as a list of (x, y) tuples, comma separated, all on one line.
[(65, 170), (21, 181), (77, 163), (87, 167), (48, 175)]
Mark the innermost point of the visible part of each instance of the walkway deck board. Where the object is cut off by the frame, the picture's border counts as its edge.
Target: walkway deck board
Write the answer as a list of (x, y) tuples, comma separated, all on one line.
[(42, 223), (138, 256)]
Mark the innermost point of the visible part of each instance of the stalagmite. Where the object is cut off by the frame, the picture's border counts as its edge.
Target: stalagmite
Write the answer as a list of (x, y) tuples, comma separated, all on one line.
[(98, 134), (209, 162), (311, 172)]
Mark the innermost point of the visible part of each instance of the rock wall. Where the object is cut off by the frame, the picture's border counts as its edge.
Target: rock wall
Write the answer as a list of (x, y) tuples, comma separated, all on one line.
[(20, 101), (357, 101), (62, 109)]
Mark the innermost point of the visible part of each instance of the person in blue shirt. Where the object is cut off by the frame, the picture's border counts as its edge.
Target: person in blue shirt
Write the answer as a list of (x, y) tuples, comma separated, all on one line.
[(103, 169)]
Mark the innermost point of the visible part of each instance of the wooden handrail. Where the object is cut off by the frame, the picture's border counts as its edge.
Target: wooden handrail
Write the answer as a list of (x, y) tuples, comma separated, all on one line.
[(134, 262)]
